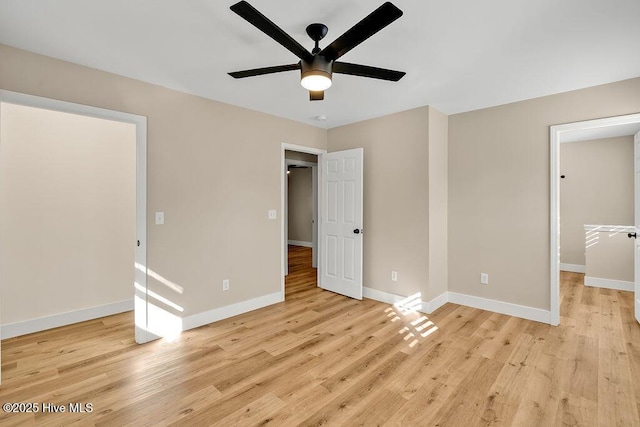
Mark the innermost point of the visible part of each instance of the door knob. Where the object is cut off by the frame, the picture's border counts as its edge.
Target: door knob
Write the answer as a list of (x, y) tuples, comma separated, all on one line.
[(357, 231), (630, 235)]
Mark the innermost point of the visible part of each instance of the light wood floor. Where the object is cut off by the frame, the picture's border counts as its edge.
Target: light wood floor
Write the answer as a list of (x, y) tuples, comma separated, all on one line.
[(322, 359)]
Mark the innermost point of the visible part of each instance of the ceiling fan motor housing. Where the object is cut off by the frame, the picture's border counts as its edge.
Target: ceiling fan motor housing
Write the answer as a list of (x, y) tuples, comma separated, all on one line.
[(319, 66)]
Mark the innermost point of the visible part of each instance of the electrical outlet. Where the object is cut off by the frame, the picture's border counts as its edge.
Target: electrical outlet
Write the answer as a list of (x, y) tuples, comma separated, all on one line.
[(484, 278), (394, 276), (225, 285), (271, 214)]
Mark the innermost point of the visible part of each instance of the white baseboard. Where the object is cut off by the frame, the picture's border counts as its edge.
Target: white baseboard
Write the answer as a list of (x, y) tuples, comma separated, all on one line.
[(574, 268), (43, 323), (189, 322), (382, 296), (431, 306), (300, 243), (619, 285), (428, 307), (389, 298), (210, 316), (524, 312)]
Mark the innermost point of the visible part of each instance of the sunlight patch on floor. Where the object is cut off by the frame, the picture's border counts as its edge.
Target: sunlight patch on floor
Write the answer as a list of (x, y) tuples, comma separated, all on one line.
[(414, 330)]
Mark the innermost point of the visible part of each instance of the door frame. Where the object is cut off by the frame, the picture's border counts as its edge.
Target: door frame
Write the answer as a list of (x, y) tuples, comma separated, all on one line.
[(283, 193), (140, 267), (636, 223), (558, 135)]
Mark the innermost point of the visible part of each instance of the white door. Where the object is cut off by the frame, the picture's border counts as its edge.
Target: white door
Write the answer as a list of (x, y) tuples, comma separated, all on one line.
[(341, 222), (636, 171)]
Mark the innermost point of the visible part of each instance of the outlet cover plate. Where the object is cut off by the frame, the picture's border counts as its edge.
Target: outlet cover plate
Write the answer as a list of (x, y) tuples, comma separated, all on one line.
[(159, 218), (484, 278)]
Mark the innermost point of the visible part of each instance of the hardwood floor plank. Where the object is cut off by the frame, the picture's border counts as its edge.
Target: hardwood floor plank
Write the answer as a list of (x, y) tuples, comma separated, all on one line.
[(471, 402), (350, 373), (539, 404), (583, 375), (576, 411), (341, 352), (500, 346), (422, 407), (348, 402), (572, 296), (253, 413), (634, 356), (616, 402), (384, 405), (460, 360), (304, 401), (510, 385)]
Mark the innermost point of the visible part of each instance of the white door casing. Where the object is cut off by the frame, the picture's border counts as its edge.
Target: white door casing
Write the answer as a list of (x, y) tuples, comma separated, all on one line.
[(566, 133), (636, 177), (341, 222)]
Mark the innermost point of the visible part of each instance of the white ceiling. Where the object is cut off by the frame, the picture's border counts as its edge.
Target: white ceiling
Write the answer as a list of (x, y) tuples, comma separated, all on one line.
[(459, 55)]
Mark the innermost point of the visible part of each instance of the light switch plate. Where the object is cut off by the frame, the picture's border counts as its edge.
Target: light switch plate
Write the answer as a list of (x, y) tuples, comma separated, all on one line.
[(159, 218), (272, 214)]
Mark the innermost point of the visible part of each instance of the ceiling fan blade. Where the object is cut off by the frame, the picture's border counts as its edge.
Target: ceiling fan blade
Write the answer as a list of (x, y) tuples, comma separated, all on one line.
[(367, 71), (374, 22), (258, 20), (265, 70), (316, 95)]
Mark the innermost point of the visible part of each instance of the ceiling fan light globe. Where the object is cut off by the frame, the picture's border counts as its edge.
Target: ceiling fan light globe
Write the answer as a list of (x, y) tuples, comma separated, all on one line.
[(316, 80)]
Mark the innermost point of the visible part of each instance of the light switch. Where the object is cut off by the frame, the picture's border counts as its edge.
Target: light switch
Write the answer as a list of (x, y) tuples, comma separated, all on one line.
[(272, 214), (159, 218)]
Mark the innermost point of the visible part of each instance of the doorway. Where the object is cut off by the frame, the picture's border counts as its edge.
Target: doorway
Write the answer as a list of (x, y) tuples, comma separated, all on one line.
[(611, 127), (137, 124), (301, 161), (302, 202)]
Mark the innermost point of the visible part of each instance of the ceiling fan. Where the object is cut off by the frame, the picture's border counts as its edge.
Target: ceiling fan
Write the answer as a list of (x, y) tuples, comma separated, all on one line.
[(318, 66)]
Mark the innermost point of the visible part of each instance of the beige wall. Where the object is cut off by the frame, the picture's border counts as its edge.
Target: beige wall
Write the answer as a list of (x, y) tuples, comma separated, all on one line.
[(300, 203), (405, 199), (597, 189), (213, 168), (499, 189), (396, 203), (67, 212), (610, 256), (438, 201)]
